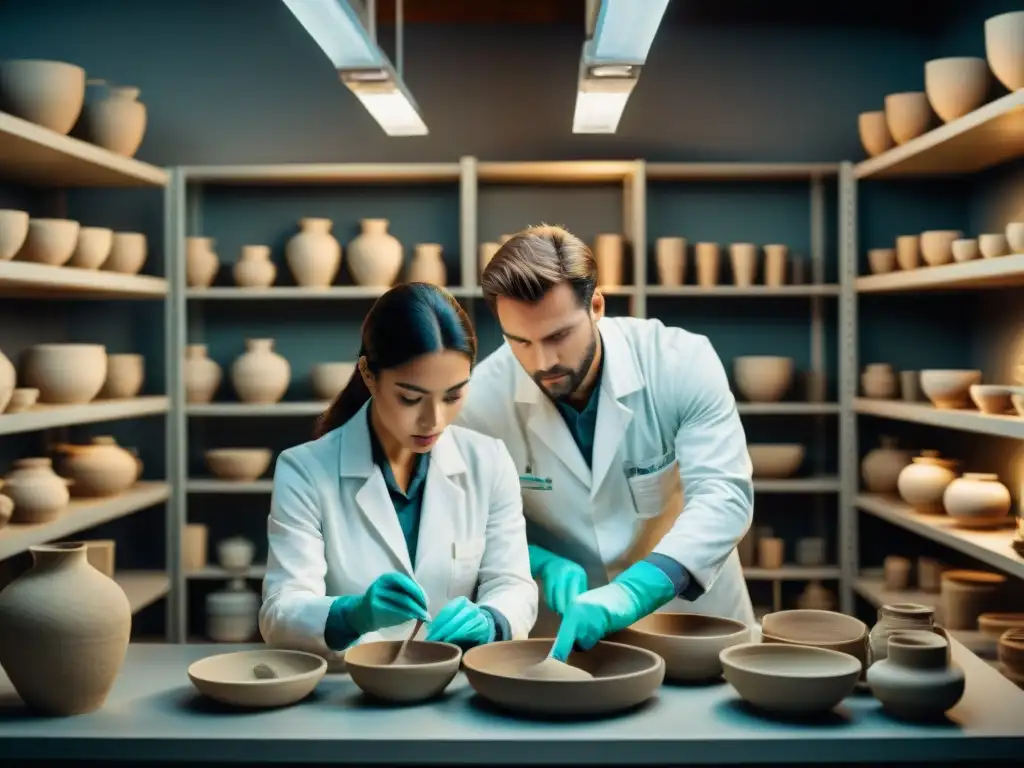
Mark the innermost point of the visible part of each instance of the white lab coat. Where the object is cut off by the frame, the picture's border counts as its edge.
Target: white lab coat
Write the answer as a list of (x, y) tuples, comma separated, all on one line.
[(333, 530), (666, 408)]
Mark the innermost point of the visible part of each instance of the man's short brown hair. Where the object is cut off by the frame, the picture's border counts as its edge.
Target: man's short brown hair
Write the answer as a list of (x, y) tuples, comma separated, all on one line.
[(534, 261)]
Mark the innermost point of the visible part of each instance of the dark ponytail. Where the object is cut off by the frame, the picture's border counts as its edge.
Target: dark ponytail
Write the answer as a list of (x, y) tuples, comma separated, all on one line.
[(409, 320)]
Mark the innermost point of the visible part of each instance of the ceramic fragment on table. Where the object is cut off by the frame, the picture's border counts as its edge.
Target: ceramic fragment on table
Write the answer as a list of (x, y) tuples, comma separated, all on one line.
[(427, 669), (240, 679)]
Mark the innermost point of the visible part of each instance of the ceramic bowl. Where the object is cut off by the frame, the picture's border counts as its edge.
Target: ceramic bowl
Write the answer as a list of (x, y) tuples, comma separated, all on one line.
[(242, 464), (956, 85), (908, 115), (690, 643), (949, 388), (993, 245), (874, 132), (13, 231), (92, 248), (1014, 237), (819, 629), (22, 399), (624, 676), (881, 261), (430, 669), (1011, 651), (995, 624), (991, 398), (763, 378), (233, 678), (66, 374), (776, 459), (328, 379), (937, 246), (790, 679), (965, 249), (50, 241), (47, 93), (128, 252)]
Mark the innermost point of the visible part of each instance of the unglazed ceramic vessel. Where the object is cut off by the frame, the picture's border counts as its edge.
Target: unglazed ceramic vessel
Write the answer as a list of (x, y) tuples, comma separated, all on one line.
[(956, 85), (810, 551), (375, 256), (254, 269), (241, 464), (929, 574), (93, 247), (881, 261), (608, 253), (126, 373), (880, 468), (776, 258), (965, 249), (329, 379), (967, 594), (743, 260), (690, 643), (127, 253), (923, 482), (908, 251), (917, 681), (1011, 653), (66, 374), (117, 121), (991, 398), (993, 245), (260, 375), (790, 679), (202, 375), (707, 257), (670, 260), (8, 381), (1014, 236), (102, 468), (949, 388), (819, 629), (262, 678), (896, 572), (908, 115), (897, 617), (937, 246), (235, 553), (776, 460), (816, 596), (13, 231), (47, 93), (995, 624), (63, 603), (874, 133), (771, 552), (231, 613), (201, 262), (485, 253), (763, 378), (623, 677), (194, 541), (425, 670), (22, 399), (50, 241), (1004, 48), (878, 380), (313, 255), (427, 266), (977, 500)]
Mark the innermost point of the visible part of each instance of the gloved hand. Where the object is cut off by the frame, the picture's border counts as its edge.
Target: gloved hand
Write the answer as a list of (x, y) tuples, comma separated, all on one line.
[(462, 622), (392, 599), (562, 580), (639, 590)]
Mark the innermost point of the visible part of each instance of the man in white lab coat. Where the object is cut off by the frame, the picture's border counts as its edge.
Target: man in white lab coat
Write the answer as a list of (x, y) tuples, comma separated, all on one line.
[(632, 459)]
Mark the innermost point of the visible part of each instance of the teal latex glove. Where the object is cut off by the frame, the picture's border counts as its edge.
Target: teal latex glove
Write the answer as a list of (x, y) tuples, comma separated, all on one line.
[(639, 590), (463, 623), (562, 580), (392, 599)]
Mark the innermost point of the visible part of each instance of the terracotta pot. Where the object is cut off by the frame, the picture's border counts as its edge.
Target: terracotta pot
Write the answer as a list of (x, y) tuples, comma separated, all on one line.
[(126, 374), (231, 613), (874, 133), (117, 121), (923, 482), (968, 594), (880, 468), (763, 378), (1004, 48), (8, 381), (313, 255), (916, 681), (202, 375), (776, 258), (977, 500), (101, 469), (608, 253), (427, 266), (39, 494), (374, 256), (708, 259), (670, 260), (47, 93), (13, 231), (254, 269), (93, 247), (897, 617), (63, 603), (260, 375), (201, 262), (908, 115), (743, 259)]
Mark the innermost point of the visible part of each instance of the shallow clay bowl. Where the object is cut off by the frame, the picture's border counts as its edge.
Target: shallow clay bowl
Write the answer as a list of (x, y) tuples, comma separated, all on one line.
[(776, 459), (995, 624), (991, 398), (818, 629), (790, 679), (241, 464), (690, 643), (623, 677), (231, 678), (427, 671)]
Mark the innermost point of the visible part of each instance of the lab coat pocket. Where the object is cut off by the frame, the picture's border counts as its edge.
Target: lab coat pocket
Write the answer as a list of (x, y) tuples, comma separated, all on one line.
[(467, 555), (652, 484)]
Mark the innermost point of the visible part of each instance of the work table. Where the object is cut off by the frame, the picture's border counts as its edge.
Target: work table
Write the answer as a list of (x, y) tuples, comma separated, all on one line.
[(154, 714)]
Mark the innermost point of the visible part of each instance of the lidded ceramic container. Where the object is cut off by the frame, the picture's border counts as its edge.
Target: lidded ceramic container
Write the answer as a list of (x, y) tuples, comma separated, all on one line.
[(254, 269), (880, 468), (313, 255), (201, 262), (427, 265), (102, 468), (39, 494), (923, 482), (202, 375), (977, 500), (897, 617), (232, 613), (917, 681), (260, 375), (375, 256)]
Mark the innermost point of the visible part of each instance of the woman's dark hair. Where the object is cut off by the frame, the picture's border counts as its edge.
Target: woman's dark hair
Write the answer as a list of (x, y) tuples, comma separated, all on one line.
[(410, 320)]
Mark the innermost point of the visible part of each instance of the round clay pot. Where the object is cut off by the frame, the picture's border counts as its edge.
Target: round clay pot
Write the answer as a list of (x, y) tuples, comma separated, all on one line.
[(908, 115), (313, 255), (8, 381), (881, 261), (50, 241), (819, 629), (763, 378), (201, 262), (923, 482), (977, 500), (231, 613), (66, 374), (993, 245), (102, 468), (62, 602), (374, 256), (965, 249), (1011, 651), (949, 388), (996, 624), (670, 260), (125, 376), (608, 255), (1004, 48), (878, 381), (708, 260), (329, 379), (260, 375), (991, 398), (254, 269), (776, 459), (427, 266), (47, 93), (202, 375), (229, 677), (916, 681), (968, 594), (242, 464), (39, 494), (897, 617), (743, 260), (485, 253), (956, 85), (127, 254), (1014, 236), (874, 133), (880, 468), (13, 231), (93, 247), (427, 668), (937, 246), (117, 121)]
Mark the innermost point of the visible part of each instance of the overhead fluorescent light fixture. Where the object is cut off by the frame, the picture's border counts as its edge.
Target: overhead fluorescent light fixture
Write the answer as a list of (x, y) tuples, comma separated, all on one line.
[(361, 64), (620, 33)]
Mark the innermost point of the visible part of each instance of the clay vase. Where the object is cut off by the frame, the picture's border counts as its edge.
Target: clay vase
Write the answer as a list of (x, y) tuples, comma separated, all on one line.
[(897, 617), (427, 265), (66, 630), (260, 375), (708, 261), (117, 121), (878, 381), (881, 467), (39, 494), (776, 258), (231, 613), (374, 256), (743, 258), (102, 468), (202, 375), (670, 260), (313, 255), (608, 255), (8, 381), (917, 681), (201, 262), (923, 482), (977, 500), (254, 269)]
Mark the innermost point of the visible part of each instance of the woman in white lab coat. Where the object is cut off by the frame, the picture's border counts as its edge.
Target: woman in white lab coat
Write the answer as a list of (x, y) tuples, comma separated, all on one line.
[(391, 514)]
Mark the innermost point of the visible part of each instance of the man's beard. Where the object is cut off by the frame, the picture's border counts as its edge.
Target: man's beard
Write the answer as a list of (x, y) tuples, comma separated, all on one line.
[(564, 388)]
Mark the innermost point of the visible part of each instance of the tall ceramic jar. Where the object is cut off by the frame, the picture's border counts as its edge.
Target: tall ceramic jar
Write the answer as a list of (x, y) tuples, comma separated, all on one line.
[(254, 269), (39, 494), (201, 262), (897, 617), (427, 265), (881, 467), (374, 256), (977, 500), (670, 260), (117, 121), (8, 381), (608, 255), (202, 375), (313, 255), (260, 375), (917, 681), (923, 482), (65, 631)]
